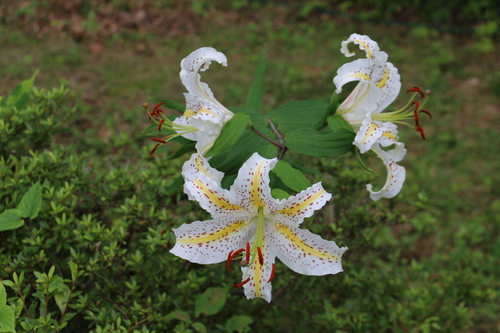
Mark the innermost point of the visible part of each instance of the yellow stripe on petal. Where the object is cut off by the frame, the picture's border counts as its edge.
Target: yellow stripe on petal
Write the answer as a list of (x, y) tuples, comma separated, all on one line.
[(389, 135), (369, 131), (188, 113), (306, 248), (383, 81), (255, 189), (369, 52), (214, 199), (360, 76), (213, 236), (299, 208), (207, 111)]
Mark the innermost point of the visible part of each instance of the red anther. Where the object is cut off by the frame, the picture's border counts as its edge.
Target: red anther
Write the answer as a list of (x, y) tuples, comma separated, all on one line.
[(157, 106), (160, 123), (273, 269), (421, 130), (236, 253), (417, 89), (153, 150), (241, 283), (247, 258), (158, 140), (228, 262), (417, 104), (261, 257), (426, 112)]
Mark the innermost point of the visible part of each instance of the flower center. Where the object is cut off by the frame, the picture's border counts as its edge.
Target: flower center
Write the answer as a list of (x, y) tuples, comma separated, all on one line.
[(410, 111), (252, 252)]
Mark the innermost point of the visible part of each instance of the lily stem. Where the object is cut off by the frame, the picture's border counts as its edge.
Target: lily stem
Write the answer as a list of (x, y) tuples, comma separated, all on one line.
[(280, 145)]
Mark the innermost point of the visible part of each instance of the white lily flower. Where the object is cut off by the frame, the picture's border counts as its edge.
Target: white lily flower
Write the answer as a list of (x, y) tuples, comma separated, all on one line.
[(379, 85), (204, 116), (250, 224)]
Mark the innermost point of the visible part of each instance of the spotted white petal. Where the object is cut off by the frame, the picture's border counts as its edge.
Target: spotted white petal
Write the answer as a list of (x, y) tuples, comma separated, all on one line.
[(357, 70), (209, 242), (251, 187), (365, 43), (389, 135), (368, 134), (293, 210), (198, 165), (204, 115), (183, 121), (303, 251), (200, 60), (213, 198), (259, 275), (395, 173)]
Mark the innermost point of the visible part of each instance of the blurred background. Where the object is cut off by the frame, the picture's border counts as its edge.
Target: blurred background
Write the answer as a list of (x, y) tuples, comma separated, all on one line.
[(426, 261)]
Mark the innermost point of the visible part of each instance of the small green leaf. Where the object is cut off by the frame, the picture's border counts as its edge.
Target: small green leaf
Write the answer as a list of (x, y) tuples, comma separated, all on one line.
[(337, 122), (31, 202), (19, 96), (199, 327), (229, 134), (180, 315), (312, 143), (211, 301), (279, 194), (256, 93), (291, 177), (6, 313), (239, 323), (11, 219)]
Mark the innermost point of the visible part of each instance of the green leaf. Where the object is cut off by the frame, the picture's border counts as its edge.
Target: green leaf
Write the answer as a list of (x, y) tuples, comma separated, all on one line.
[(19, 96), (239, 323), (31, 203), (279, 194), (337, 122), (199, 327), (11, 219), (312, 143), (180, 315), (211, 301), (256, 93), (6, 313), (229, 134), (291, 177), (298, 115)]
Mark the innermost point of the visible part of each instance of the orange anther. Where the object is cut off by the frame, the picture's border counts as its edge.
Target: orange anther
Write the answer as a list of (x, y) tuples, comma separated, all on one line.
[(241, 283)]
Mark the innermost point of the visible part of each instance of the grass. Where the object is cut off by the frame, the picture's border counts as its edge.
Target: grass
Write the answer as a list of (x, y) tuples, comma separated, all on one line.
[(445, 240)]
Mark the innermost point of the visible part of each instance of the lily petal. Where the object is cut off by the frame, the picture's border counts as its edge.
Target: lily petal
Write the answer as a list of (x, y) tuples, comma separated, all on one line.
[(200, 60), (198, 165), (293, 210), (209, 242), (213, 198), (259, 275), (303, 251), (395, 173), (365, 43), (368, 134), (251, 187), (204, 115)]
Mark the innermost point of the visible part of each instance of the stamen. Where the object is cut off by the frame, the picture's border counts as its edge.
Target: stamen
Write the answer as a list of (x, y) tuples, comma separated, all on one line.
[(157, 106), (261, 257), (241, 283), (244, 263), (417, 89), (154, 149), (158, 140), (236, 253), (426, 112), (228, 262), (273, 269), (417, 105), (160, 123), (247, 258)]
